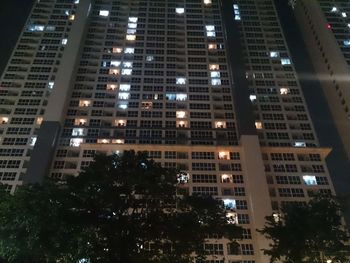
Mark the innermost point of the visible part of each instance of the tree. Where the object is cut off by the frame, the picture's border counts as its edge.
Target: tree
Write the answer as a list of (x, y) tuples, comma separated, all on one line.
[(309, 233), (120, 209)]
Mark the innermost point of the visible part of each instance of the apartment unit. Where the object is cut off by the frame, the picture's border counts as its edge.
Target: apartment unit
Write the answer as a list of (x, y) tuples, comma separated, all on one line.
[(325, 25), (205, 86)]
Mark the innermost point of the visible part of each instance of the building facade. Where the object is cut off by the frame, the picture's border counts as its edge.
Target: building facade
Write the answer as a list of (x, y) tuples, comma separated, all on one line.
[(205, 86), (325, 26)]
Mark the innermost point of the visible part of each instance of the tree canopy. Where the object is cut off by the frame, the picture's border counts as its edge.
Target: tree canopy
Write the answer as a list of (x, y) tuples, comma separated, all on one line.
[(310, 233), (120, 209)]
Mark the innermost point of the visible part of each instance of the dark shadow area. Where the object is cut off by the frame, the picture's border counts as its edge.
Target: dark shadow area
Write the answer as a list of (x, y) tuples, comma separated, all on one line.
[(13, 15), (338, 164)]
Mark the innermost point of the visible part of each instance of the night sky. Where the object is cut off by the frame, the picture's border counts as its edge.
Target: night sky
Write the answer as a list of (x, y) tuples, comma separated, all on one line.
[(13, 14)]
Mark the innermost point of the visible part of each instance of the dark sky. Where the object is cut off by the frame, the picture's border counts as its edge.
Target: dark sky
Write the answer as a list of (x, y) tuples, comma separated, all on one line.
[(13, 14)]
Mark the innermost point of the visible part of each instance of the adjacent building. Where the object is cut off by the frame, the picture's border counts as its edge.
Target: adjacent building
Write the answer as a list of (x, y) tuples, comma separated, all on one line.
[(325, 26), (205, 86)]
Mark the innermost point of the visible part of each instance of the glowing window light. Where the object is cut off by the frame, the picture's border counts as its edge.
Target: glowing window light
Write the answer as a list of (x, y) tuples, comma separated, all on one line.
[(114, 72), (130, 37), (224, 155), (131, 31), (181, 124), (207, 2), (124, 87), (64, 41), (118, 141), (211, 34), (180, 10), (126, 72), (214, 67), (75, 142), (4, 120), (258, 125), (216, 82), (120, 123), (129, 50), (39, 120), (103, 141), (232, 218), (181, 97), (215, 74), (117, 50), (252, 98), (346, 42), (226, 178), (133, 19), (32, 140), (124, 95), (115, 63), (220, 124), (212, 46), (334, 9), (343, 14), (78, 132), (80, 122), (309, 179), (299, 144), (285, 61), (274, 54), (104, 13), (149, 58), (50, 85), (284, 91), (123, 106), (84, 103), (71, 17), (127, 64), (132, 25), (111, 87), (229, 204), (180, 81), (181, 114), (210, 27)]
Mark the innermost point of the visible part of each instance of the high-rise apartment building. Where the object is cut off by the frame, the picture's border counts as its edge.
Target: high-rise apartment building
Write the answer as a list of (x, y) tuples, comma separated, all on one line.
[(325, 25), (205, 86)]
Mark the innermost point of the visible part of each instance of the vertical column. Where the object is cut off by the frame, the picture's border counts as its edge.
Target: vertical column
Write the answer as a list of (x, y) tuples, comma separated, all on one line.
[(48, 135), (257, 189)]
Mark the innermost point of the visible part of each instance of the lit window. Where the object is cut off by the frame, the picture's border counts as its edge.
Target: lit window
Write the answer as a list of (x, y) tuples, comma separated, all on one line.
[(220, 124), (211, 34), (213, 66), (207, 2), (226, 178), (309, 179), (64, 41), (127, 64), (76, 1), (258, 125), (124, 87), (284, 91), (36, 28), (180, 10), (129, 50), (334, 9), (211, 46), (346, 42), (133, 19), (216, 82), (149, 58), (39, 120), (78, 132), (32, 140), (215, 74), (50, 85), (124, 95), (210, 27), (104, 13), (115, 63), (84, 103), (126, 71), (4, 120), (285, 61), (123, 106), (75, 142), (237, 17), (299, 144), (131, 31), (348, 25), (103, 141), (181, 81), (120, 123), (224, 155), (118, 141), (132, 25), (276, 217), (170, 96), (146, 105), (235, 7), (114, 72), (130, 37), (343, 14), (182, 178), (80, 122), (181, 124), (274, 54), (117, 50), (232, 218), (71, 17), (50, 28), (181, 97), (229, 204), (252, 97), (181, 114), (111, 86)]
